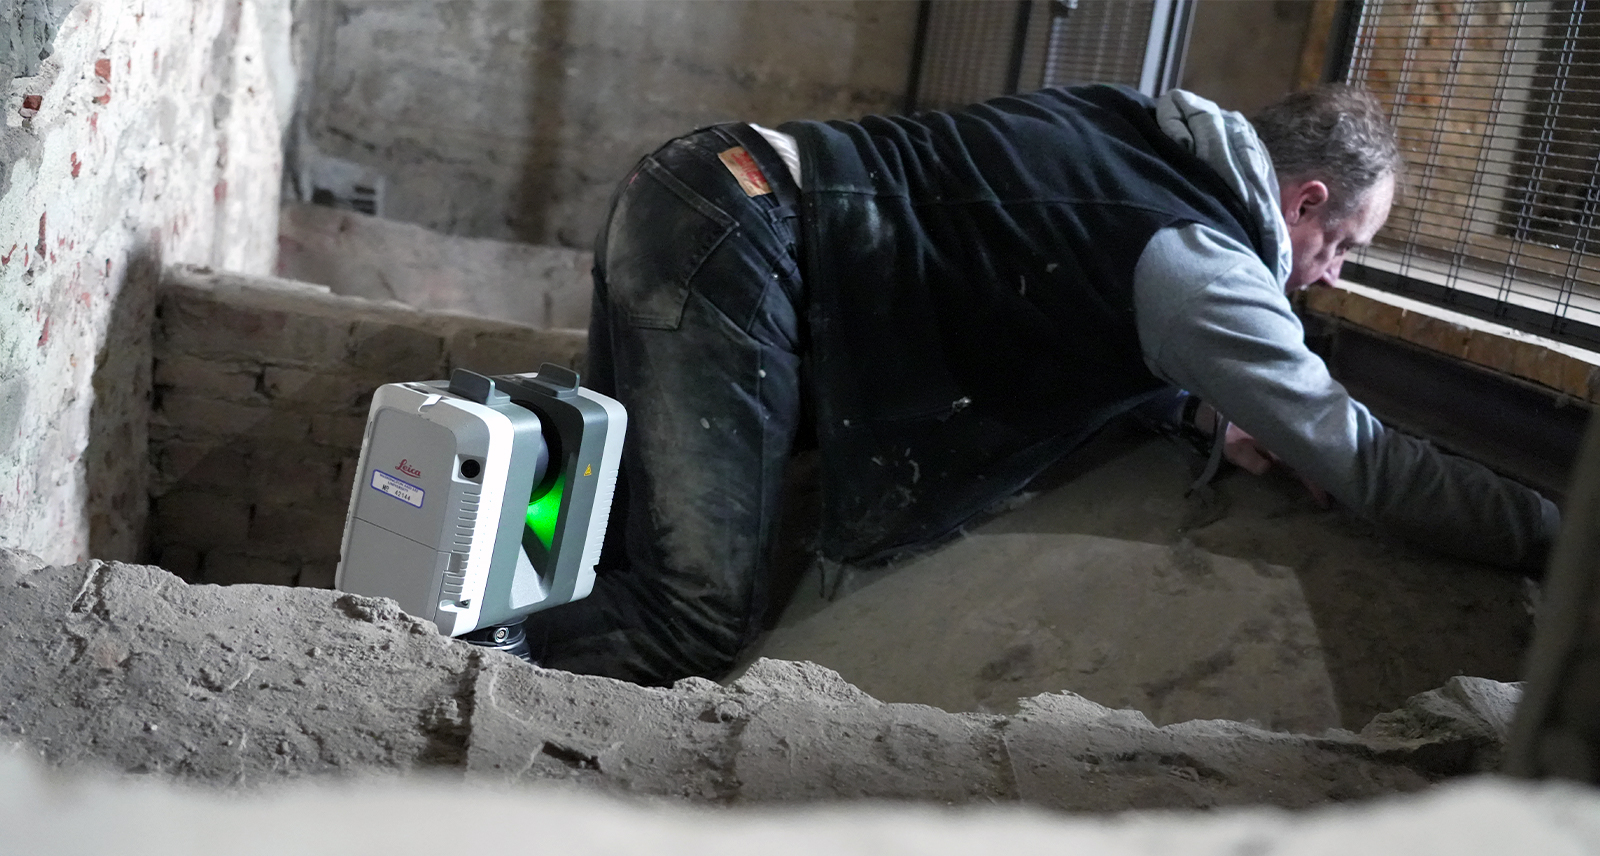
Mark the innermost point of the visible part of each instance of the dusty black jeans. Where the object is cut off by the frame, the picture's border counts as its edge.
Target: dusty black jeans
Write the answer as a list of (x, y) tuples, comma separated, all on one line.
[(696, 329)]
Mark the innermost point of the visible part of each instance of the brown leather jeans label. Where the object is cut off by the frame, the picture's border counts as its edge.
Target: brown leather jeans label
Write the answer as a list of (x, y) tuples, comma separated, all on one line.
[(743, 166)]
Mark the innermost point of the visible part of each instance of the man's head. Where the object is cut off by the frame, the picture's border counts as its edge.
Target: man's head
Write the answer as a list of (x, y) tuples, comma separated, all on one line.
[(1337, 159)]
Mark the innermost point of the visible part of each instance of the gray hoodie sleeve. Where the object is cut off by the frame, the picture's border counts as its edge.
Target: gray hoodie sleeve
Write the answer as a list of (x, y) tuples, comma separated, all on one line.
[(1213, 320)]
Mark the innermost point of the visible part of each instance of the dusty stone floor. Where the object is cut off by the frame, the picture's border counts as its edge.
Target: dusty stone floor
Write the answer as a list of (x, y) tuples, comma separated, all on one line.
[(1248, 602), (1258, 632)]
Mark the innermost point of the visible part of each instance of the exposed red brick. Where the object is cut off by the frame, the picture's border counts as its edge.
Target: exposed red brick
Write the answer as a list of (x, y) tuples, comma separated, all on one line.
[(102, 69), (76, 164)]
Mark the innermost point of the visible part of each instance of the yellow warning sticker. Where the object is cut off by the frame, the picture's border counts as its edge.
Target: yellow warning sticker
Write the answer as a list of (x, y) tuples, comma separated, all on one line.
[(589, 470)]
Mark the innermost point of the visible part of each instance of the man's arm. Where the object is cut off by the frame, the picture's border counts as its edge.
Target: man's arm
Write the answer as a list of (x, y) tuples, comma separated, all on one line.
[(1214, 321)]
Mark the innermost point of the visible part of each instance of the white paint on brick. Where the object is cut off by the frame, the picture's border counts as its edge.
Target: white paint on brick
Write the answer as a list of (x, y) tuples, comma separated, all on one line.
[(174, 158)]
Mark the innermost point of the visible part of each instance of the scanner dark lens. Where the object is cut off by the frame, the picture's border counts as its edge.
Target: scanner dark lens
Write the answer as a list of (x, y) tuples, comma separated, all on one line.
[(470, 469)]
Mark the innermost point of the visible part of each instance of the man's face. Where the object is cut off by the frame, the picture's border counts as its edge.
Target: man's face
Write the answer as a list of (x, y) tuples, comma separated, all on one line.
[(1319, 247)]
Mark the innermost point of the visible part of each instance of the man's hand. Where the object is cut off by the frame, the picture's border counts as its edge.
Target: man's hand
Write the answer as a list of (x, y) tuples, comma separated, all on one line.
[(1242, 450)]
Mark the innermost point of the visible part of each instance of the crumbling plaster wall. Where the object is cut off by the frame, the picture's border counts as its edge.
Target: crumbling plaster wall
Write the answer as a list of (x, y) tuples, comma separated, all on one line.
[(149, 134), (514, 120)]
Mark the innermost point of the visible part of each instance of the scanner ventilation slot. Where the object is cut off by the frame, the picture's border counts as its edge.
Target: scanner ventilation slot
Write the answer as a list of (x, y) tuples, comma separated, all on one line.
[(466, 520), (455, 576), (455, 573)]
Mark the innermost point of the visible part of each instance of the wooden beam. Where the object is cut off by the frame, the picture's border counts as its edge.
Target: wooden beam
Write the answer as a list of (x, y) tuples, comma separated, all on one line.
[(1314, 50)]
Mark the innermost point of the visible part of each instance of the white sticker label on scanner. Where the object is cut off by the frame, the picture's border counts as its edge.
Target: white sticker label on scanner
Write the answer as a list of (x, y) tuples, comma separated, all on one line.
[(406, 492)]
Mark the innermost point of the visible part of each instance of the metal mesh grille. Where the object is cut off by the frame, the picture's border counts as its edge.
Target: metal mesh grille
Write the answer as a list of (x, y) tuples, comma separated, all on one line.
[(977, 49), (1498, 109)]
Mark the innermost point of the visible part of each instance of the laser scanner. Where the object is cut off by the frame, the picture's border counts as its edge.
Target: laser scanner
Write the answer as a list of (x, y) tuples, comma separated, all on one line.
[(481, 500)]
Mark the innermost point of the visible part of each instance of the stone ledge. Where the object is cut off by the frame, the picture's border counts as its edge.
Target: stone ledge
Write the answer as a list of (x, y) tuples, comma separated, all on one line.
[(125, 667), (363, 256), (1565, 369), (346, 330), (272, 294)]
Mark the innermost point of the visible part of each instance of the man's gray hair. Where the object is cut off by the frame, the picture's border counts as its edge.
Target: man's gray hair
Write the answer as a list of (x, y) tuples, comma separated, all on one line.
[(1335, 134)]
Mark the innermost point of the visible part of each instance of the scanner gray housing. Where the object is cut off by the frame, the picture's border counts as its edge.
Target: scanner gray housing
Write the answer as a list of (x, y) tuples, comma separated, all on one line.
[(438, 513)]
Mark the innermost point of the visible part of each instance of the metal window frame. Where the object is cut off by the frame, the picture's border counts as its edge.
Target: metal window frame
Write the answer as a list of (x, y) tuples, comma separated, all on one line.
[(1170, 26)]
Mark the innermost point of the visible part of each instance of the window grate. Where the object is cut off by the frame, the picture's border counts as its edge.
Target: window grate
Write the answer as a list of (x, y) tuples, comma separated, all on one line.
[(1497, 104)]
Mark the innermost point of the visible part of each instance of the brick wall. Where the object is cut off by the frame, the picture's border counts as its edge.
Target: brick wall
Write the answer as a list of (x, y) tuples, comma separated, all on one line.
[(150, 135), (261, 393)]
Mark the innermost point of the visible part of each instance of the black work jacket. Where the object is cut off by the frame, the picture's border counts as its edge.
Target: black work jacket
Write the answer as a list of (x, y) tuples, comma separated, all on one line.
[(970, 290)]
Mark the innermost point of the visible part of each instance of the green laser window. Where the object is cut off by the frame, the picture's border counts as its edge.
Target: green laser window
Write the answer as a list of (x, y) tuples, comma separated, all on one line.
[(543, 510)]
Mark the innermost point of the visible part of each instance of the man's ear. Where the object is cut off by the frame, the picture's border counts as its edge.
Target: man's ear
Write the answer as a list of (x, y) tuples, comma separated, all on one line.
[(1304, 200)]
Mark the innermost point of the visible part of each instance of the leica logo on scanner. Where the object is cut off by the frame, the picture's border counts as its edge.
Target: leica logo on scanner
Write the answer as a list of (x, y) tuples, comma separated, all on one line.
[(409, 470)]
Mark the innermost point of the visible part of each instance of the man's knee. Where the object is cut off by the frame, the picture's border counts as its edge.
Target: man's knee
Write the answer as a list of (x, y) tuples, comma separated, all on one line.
[(637, 630)]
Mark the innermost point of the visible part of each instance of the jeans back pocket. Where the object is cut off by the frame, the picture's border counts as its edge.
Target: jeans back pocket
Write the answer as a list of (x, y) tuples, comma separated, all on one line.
[(660, 234)]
